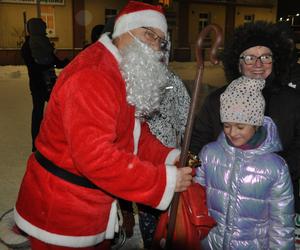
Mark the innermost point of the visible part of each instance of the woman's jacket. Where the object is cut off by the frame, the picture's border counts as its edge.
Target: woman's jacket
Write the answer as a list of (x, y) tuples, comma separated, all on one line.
[(249, 194)]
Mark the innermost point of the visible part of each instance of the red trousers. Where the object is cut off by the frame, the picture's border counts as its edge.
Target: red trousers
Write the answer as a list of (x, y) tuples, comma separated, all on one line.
[(40, 245)]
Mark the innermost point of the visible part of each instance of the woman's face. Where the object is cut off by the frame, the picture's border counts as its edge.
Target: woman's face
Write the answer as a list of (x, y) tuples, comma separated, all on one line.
[(238, 133), (256, 62)]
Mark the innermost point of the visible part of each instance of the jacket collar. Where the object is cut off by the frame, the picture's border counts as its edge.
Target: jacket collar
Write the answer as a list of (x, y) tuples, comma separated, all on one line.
[(272, 142), (107, 42)]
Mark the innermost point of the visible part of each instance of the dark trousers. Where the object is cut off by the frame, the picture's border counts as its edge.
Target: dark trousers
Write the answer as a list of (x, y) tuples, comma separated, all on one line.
[(148, 219), (296, 196), (38, 102)]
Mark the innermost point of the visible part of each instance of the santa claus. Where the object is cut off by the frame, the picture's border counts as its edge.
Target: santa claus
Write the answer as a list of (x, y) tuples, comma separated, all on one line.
[(94, 145)]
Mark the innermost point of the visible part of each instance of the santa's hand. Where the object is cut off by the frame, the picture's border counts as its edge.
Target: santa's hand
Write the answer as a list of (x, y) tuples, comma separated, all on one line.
[(183, 179)]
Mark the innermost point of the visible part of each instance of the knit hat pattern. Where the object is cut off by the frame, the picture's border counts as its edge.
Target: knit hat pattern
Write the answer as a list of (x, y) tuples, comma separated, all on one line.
[(243, 102), (138, 14)]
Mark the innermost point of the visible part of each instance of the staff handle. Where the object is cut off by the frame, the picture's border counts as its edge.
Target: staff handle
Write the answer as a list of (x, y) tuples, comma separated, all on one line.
[(192, 114)]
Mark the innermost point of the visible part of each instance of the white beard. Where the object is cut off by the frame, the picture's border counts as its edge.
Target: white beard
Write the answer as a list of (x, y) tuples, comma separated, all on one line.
[(146, 77)]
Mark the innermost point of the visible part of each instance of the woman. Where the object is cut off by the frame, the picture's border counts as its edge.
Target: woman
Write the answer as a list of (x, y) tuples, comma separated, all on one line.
[(259, 50)]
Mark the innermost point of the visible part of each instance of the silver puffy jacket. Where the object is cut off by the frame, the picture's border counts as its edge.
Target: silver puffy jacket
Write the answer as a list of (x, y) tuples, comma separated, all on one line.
[(249, 194)]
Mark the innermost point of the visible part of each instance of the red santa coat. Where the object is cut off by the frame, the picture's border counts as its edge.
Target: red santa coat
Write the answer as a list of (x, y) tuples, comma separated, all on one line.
[(89, 129)]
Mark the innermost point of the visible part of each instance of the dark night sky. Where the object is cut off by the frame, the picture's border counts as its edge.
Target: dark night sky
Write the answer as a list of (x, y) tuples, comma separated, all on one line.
[(286, 7)]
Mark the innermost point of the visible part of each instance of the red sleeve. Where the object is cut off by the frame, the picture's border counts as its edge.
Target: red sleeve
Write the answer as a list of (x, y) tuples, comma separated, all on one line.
[(150, 148), (90, 117)]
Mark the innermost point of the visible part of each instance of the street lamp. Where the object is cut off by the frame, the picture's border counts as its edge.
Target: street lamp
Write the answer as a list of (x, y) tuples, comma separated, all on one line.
[(292, 18), (38, 8)]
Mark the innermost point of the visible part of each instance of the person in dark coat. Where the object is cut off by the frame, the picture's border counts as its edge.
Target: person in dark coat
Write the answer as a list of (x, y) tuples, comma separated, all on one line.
[(293, 77), (96, 32), (41, 80), (40, 45), (259, 50)]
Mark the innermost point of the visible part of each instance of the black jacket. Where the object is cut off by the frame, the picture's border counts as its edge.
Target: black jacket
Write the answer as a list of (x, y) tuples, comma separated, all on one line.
[(282, 105), (294, 78), (35, 70)]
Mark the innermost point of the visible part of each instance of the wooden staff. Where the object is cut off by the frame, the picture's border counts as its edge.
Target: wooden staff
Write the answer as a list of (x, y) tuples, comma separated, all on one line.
[(191, 116)]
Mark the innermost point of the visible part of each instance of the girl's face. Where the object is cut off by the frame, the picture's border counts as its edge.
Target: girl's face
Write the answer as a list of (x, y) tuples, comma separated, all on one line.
[(239, 133), (261, 64)]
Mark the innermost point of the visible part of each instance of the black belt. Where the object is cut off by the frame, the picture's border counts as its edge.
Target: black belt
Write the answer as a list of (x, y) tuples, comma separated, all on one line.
[(62, 173)]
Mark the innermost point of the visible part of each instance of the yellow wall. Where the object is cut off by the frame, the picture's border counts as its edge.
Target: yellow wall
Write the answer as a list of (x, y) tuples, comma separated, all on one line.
[(217, 16), (259, 14), (12, 27), (11, 20), (95, 11), (12, 33), (218, 12), (64, 25)]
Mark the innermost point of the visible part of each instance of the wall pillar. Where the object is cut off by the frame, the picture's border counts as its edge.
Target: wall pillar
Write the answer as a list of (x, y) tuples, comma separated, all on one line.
[(78, 23)]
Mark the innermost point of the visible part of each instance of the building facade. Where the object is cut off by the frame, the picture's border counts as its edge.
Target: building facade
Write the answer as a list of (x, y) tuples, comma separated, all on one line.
[(70, 22)]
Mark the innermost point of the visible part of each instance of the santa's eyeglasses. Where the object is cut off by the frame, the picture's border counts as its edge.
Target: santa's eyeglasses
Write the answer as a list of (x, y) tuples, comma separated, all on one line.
[(152, 37)]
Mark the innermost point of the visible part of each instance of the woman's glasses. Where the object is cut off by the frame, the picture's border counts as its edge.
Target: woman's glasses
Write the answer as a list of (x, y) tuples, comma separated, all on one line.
[(152, 37), (251, 60)]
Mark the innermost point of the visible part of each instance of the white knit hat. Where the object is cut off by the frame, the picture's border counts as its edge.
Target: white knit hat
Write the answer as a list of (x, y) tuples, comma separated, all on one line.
[(138, 14), (243, 102)]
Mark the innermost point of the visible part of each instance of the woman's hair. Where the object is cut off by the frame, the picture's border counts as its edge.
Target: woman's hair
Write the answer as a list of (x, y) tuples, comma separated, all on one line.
[(259, 33)]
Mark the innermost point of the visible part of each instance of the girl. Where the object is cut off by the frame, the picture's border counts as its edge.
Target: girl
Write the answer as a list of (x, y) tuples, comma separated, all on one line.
[(249, 190)]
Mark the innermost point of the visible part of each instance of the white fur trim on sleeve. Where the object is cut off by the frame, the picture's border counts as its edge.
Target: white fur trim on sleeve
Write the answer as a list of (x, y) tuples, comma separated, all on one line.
[(173, 154), (106, 41), (170, 187)]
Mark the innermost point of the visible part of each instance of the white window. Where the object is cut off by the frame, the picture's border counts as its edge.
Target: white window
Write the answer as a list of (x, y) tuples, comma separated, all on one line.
[(109, 14), (47, 14), (204, 20), (51, 2), (248, 18)]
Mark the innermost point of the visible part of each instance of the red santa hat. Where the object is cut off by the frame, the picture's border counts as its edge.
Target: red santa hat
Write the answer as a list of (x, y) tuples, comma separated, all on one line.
[(138, 14)]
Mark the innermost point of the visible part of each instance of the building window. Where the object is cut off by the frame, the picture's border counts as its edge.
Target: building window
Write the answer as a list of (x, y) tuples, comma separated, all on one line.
[(47, 14), (52, 2), (164, 3), (248, 18), (204, 20), (109, 14)]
